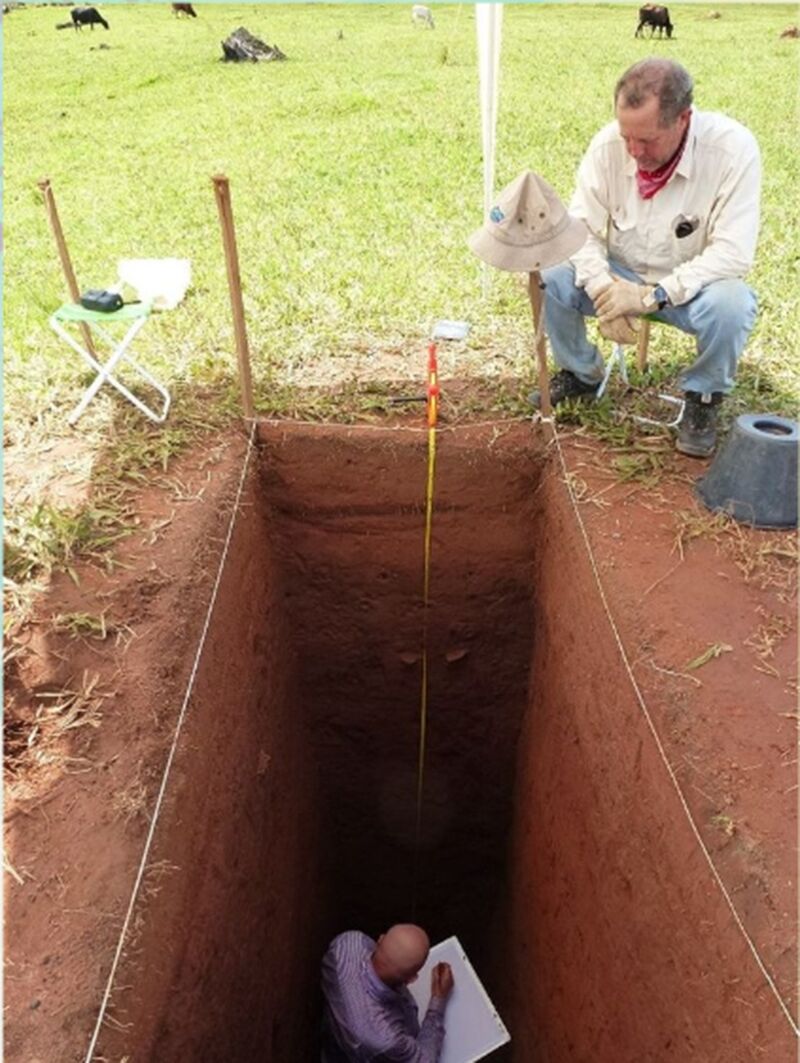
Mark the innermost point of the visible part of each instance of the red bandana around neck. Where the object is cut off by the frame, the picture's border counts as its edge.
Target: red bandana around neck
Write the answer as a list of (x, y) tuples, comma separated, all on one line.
[(650, 181)]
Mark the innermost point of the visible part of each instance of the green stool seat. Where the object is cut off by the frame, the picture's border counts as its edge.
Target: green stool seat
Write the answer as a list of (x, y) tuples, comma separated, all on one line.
[(128, 312)]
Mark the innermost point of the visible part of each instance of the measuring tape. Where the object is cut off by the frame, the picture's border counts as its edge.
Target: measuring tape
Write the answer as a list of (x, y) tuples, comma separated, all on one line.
[(433, 413)]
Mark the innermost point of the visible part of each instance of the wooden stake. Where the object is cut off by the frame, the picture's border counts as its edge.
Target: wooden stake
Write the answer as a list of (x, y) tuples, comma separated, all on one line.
[(63, 254), (223, 196), (537, 308)]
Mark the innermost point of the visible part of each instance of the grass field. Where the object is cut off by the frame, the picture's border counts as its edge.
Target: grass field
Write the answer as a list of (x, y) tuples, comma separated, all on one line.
[(355, 172), (356, 178)]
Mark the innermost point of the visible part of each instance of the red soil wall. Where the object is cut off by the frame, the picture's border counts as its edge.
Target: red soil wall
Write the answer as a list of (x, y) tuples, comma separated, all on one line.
[(231, 924), (348, 512), (620, 944)]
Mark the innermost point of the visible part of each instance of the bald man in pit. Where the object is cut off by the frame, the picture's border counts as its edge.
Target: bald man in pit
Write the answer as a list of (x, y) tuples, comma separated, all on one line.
[(370, 1016)]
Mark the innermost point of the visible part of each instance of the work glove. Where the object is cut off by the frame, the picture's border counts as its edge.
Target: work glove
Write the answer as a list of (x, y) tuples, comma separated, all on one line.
[(620, 330), (620, 299)]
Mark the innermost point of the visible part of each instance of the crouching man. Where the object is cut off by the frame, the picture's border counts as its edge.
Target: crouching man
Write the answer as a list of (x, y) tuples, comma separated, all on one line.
[(370, 1016), (671, 199)]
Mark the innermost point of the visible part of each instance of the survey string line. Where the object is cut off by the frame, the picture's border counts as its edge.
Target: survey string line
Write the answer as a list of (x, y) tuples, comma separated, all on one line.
[(660, 747), (171, 755)]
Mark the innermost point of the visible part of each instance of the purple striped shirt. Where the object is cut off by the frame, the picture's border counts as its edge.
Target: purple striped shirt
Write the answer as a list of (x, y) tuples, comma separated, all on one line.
[(366, 1021)]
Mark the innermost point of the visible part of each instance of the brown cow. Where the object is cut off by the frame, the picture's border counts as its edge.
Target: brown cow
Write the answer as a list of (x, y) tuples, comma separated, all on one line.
[(656, 17), (184, 9)]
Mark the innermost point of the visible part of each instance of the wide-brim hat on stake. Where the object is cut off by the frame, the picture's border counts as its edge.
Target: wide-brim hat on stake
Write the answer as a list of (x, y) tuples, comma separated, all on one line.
[(528, 228)]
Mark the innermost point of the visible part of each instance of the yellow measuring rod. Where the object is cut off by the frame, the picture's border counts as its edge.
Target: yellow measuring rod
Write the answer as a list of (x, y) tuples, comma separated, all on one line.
[(433, 413)]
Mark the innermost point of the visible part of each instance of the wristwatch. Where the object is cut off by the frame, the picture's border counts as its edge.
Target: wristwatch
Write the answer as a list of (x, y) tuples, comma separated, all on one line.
[(656, 299)]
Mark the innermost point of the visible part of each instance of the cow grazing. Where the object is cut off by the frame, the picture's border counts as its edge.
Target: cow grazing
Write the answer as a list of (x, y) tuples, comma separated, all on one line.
[(420, 13), (656, 17), (87, 16), (184, 9), (791, 31)]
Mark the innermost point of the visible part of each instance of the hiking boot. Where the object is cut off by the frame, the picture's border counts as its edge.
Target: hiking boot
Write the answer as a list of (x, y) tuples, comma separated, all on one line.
[(565, 385), (697, 430)]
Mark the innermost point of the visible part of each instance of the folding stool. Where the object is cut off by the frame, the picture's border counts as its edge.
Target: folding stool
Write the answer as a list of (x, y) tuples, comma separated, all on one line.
[(134, 316), (618, 359)]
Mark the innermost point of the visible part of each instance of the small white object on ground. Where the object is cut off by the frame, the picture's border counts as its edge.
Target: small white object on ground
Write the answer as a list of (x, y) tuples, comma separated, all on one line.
[(162, 280), (451, 330)]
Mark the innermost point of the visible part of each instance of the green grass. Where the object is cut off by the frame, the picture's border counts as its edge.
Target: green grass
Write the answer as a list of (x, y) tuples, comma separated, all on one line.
[(356, 178), (45, 538), (355, 172)]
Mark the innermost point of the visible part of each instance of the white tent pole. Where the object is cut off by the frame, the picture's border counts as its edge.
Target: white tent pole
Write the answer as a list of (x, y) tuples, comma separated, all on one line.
[(488, 21)]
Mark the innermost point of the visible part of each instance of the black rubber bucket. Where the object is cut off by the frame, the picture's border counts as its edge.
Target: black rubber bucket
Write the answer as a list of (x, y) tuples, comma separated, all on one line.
[(754, 475)]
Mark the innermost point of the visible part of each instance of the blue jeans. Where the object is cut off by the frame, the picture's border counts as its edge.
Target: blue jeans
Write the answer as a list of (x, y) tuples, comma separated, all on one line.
[(721, 316)]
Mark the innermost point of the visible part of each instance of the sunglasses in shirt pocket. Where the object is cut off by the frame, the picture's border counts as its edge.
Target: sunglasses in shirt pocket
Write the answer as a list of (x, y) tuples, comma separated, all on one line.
[(688, 235)]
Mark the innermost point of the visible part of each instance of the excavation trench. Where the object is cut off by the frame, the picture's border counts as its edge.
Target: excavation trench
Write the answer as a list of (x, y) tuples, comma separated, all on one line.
[(546, 843)]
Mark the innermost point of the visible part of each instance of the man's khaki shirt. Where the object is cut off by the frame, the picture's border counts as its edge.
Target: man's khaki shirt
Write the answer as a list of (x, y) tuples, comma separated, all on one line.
[(715, 189)]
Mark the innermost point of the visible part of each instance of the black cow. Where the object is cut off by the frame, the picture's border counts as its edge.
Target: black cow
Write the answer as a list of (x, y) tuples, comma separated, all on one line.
[(87, 16), (656, 17), (184, 9)]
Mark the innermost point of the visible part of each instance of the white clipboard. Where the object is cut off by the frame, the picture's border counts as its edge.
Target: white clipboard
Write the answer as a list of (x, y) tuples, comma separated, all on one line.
[(472, 1026)]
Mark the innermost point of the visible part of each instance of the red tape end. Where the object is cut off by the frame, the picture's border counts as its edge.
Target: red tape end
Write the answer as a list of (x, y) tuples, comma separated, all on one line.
[(433, 386)]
